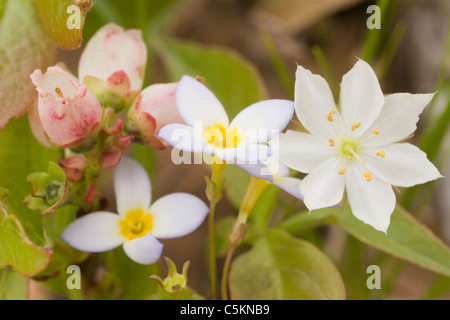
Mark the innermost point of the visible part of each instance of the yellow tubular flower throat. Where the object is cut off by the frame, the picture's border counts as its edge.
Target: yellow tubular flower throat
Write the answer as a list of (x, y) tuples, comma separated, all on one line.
[(136, 224), (222, 138)]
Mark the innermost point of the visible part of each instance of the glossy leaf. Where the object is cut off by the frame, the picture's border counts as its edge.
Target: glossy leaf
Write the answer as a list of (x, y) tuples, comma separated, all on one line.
[(282, 267)]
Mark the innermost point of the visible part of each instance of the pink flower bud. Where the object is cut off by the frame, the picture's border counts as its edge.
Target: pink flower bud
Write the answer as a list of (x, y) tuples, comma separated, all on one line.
[(69, 113), (36, 125), (154, 108), (112, 49)]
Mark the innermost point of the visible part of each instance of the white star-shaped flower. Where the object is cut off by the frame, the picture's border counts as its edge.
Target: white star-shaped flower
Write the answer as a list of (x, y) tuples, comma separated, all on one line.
[(356, 149), (209, 131), (139, 223)]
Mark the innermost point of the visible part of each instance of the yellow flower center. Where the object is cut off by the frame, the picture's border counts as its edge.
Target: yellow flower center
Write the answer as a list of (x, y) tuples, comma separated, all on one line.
[(349, 147), (222, 138), (136, 224)]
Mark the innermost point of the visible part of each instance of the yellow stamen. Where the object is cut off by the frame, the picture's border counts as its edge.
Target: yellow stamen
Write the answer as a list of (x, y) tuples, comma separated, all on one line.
[(136, 224), (342, 170), (356, 125), (381, 154), (59, 92), (376, 131), (330, 115), (331, 142), (368, 176)]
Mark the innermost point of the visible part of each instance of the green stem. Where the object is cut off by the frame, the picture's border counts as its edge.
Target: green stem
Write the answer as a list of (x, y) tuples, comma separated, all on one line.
[(253, 193), (214, 194), (226, 270)]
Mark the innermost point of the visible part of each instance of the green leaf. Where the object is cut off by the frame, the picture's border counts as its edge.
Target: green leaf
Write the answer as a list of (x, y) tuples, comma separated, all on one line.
[(63, 21), (131, 278), (406, 237), (2, 8), (303, 221), (21, 154), (235, 81), (16, 249), (24, 47), (282, 267), (12, 285)]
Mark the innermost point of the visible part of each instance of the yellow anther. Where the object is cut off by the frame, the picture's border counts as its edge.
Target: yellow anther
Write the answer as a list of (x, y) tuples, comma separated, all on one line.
[(59, 93), (381, 154), (330, 115), (342, 170), (356, 125), (376, 131), (368, 176), (331, 142)]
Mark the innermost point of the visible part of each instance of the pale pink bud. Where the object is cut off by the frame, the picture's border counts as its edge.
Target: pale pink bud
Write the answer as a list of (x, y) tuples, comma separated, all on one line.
[(113, 49), (36, 125), (69, 113), (154, 108)]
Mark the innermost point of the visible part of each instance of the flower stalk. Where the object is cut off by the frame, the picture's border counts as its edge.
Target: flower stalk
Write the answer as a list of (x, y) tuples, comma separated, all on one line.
[(214, 192), (252, 195)]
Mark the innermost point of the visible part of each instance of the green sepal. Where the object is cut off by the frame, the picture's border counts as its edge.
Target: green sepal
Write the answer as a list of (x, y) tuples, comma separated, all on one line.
[(50, 189)]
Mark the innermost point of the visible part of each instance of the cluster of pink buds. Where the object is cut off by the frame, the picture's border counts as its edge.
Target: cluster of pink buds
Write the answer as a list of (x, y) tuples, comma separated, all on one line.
[(71, 111)]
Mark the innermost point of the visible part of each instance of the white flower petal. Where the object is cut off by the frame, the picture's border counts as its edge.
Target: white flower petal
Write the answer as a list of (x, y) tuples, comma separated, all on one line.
[(267, 170), (398, 118), (177, 214), (324, 186), (258, 170), (145, 250), (94, 232), (301, 151), (313, 103), (402, 165), (290, 185), (264, 120), (371, 201), (132, 186), (361, 97), (246, 154), (184, 138), (195, 102)]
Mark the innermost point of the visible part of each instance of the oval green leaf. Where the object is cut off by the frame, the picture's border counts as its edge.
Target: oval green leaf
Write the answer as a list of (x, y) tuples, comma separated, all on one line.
[(406, 237), (282, 267)]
